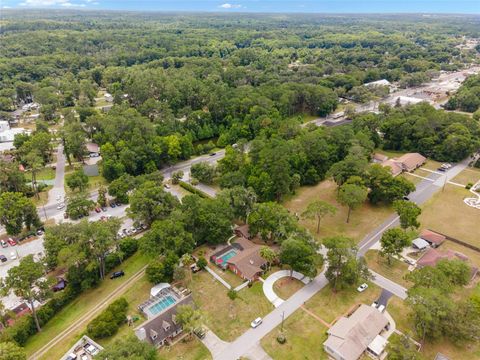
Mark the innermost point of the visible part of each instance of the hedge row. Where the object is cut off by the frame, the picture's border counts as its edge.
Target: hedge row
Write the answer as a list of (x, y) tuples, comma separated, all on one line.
[(193, 189), (107, 323)]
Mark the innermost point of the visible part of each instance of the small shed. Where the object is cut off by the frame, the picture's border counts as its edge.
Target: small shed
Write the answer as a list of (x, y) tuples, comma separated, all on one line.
[(419, 244)]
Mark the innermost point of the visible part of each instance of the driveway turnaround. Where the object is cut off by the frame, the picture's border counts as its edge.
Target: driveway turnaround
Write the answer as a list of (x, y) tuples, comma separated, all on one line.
[(268, 284)]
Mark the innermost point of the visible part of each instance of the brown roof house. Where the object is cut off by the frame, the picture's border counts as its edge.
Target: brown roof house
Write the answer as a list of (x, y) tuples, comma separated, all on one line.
[(433, 238), (433, 256), (406, 162), (395, 168), (351, 336), (162, 326), (379, 158), (411, 161), (247, 262)]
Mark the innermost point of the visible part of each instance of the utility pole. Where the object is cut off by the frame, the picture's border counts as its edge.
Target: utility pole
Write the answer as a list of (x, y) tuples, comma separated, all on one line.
[(283, 319)]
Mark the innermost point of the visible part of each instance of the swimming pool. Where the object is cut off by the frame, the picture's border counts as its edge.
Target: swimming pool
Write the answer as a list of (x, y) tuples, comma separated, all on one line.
[(161, 304), (227, 256)]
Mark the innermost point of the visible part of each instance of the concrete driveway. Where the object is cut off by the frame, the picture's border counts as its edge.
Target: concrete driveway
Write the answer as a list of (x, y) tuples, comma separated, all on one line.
[(214, 344)]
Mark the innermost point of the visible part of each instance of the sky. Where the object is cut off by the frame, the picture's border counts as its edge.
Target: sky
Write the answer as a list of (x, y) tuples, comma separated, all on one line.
[(283, 6)]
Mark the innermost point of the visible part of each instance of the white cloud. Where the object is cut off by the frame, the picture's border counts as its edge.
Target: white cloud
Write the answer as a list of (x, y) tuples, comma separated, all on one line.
[(230, 6), (44, 3), (6, 7)]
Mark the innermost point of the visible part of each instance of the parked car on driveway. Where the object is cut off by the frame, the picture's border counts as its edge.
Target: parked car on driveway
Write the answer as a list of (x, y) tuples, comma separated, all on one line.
[(255, 323), (200, 332), (362, 287), (117, 274), (112, 205), (3, 258), (3, 243), (97, 209), (60, 206), (12, 242)]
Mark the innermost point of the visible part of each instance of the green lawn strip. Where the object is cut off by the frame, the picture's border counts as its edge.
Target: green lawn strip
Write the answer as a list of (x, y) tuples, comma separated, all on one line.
[(362, 220), (329, 305), (82, 304), (394, 271), (186, 349), (286, 287), (305, 336), (228, 318), (227, 275)]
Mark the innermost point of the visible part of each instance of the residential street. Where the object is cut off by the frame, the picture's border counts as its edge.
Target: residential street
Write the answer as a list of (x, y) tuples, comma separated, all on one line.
[(57, 193), (389, 285)]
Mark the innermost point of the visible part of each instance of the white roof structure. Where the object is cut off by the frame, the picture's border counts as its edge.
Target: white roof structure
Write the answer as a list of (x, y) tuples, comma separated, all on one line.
[(408, 100), (383, 82), (154, 291), (378, 345), (420, 244)]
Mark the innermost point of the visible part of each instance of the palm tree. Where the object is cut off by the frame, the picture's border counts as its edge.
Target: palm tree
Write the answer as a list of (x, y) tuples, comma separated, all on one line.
[(268, 254), (187, 260), (35, 163)]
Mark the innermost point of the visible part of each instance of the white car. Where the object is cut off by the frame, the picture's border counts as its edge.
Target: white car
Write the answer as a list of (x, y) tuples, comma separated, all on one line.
[(362, 287), (255, 323), (13, 256), (60, 206)]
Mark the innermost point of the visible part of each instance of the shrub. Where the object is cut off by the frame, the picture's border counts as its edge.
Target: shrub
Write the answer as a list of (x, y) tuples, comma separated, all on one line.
[(193, 189), (128, 246), (281, 339), (468, 186), (232, 294), (107, 323), (202, 262)]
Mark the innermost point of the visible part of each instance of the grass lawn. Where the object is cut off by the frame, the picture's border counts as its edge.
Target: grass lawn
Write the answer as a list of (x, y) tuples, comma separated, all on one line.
[(135, 295), (286, 287), (303, 117), (394, 271), (413, 179), (329, 305), (43, 197), (47, 173), (191, 349), (362, 220), (227, 275), (94, 182), (228, 318), (390, 153), (73, 311), (305, 336), (432, 165), (447, 213), (469, 175)]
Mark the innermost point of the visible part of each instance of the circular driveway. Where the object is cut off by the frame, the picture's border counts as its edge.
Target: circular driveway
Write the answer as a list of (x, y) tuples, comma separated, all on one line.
[(268, 284)]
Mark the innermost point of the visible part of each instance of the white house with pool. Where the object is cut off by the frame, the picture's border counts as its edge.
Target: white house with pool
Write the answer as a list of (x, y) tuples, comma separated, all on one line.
[(161, 326)]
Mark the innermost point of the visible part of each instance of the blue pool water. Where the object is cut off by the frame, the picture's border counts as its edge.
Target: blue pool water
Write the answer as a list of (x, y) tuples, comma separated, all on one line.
[(227, 256), (161, 305)]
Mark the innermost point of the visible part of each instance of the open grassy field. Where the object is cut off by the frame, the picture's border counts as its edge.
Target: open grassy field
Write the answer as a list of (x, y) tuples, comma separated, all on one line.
[(469, 175), (228, 318), (305, 336), (74, 311), (329, 305), (447, 213), (394, 271), (473, 256), (46, 173), (362, 220), (286, 287), (187, 349), (432, 164)]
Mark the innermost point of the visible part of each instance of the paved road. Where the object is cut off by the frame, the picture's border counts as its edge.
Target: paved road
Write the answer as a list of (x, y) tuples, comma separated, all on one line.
[(424, 190), (389, 285), (57, 193)]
